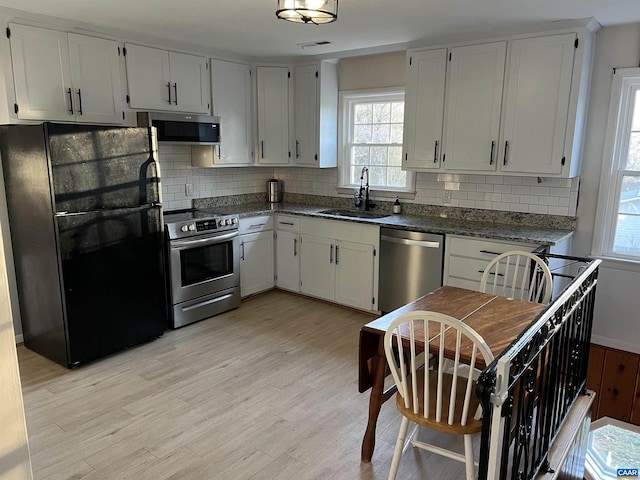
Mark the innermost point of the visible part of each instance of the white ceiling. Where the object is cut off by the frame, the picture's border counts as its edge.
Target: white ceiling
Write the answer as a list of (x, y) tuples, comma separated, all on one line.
[(250, 27)]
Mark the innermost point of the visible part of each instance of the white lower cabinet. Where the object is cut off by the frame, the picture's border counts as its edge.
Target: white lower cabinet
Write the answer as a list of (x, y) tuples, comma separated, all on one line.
[(256, 254), (288, 252), (466, 258), (339, 262)]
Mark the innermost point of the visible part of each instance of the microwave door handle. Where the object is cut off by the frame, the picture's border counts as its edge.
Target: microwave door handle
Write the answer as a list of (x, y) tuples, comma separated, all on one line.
[(181, 244)]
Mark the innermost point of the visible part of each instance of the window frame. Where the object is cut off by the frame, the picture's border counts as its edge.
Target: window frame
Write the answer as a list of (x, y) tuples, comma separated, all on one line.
[(346, 99), (625, 84)]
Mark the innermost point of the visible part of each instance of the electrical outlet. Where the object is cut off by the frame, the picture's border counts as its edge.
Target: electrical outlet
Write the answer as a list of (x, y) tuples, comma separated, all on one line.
[(188, 189), (446, 196)]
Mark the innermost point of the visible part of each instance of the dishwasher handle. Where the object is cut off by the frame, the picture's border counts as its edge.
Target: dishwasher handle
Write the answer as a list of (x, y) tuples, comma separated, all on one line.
[(407, 241)]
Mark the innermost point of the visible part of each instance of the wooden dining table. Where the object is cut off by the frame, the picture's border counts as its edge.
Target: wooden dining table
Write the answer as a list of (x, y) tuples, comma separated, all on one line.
[(498, 320)]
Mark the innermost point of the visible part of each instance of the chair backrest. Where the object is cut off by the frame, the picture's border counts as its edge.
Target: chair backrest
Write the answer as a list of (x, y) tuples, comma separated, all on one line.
[(435, 392), (518, 274)]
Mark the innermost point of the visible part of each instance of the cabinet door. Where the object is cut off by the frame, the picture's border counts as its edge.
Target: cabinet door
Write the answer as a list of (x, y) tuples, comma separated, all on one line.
[(354, 274), (256, 262), (273, 115), (474, 99), (42, 73), (317, 266), (95, 70), (148, 78), (189, 82), (288, 261), (537, 104), (306, 114), (424, 109), (231, 99)]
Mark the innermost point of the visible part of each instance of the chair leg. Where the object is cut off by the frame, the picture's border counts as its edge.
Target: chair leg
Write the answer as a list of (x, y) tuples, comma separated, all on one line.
[(468, 456), (397, 454)]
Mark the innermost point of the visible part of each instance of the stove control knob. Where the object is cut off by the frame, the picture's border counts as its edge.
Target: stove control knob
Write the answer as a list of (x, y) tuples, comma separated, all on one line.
[(192, 227), (235, 220), (228, 221), (221, 223), (184, 228)]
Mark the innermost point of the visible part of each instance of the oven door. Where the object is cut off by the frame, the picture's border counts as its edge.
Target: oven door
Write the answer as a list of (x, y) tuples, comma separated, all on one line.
[(204, 265)]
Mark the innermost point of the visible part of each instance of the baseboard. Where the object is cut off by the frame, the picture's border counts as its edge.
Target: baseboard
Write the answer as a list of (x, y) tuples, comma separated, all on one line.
[(19, 339)]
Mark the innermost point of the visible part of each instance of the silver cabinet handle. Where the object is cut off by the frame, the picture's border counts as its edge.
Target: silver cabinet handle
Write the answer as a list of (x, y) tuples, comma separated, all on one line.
[(337, 250), (407, 241), (256, 226), (295, 247)]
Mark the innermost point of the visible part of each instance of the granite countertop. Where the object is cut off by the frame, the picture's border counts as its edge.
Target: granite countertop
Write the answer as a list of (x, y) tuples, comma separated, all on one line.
[(536, 234)]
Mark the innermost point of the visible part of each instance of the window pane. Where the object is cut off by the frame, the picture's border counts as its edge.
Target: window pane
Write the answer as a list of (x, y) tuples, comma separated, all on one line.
[(396, 133), (362, 134), (395, 156), (360, 156), (381, 112), (379, 156), (362, 113), (381, 133), (627, 234), (377, 176), (635, 124), (397, 112), (396, 177), (633, 158)]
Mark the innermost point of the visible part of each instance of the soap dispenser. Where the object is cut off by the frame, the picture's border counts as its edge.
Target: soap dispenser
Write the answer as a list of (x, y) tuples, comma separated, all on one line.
[(397, 207)]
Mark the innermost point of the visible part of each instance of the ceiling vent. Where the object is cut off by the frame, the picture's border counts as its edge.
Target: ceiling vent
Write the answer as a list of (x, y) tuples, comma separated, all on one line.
[(314, 44)]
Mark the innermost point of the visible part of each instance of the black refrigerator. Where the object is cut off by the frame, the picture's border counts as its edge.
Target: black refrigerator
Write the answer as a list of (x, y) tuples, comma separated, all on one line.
[(86, 231)]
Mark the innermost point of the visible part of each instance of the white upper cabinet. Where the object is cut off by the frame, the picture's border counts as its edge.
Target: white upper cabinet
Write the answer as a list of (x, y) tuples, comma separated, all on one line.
[(316, 115), (95, 71), (163, 80), (424, 108), (474, 98), (516, 106), (273, 115), (537, 104), (231, 101), (65, 77)]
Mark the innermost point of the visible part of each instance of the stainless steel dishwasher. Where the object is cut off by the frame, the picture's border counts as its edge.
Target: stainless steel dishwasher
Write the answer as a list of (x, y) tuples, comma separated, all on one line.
[(410, 266)]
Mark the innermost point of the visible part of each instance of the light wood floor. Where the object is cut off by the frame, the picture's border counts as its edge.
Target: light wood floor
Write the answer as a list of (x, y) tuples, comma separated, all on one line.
[(267, 391)]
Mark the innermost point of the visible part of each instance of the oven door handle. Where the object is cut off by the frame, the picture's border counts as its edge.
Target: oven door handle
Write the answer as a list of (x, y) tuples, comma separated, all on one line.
[(182, 244)]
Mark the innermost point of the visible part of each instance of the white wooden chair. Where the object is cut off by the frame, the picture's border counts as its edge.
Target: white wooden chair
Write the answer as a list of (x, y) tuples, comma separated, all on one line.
[(518, 274), (432, 397)]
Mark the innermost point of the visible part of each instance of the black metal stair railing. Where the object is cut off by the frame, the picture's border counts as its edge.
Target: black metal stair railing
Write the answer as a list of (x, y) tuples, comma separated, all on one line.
[(528, 391)]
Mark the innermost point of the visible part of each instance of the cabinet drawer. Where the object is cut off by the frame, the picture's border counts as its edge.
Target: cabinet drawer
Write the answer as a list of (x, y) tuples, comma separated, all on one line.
[(288, 223), (483, 249), (256, 224)]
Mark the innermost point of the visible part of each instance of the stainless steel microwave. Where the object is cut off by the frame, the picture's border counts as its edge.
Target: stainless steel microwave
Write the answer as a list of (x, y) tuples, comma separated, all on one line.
[(182, 128)]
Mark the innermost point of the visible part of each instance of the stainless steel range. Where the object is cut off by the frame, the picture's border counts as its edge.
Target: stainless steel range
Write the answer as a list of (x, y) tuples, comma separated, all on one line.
[(204, 264)]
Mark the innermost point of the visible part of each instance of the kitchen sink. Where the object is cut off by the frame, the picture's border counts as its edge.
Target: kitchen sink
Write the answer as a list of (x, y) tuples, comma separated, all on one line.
[(339, 212)]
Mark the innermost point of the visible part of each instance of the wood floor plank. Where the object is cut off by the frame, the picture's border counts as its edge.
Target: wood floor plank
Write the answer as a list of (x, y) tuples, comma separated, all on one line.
[(266, 391)]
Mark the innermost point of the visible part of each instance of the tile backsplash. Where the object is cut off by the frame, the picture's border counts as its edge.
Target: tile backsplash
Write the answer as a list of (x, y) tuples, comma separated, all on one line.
[(181, 183)]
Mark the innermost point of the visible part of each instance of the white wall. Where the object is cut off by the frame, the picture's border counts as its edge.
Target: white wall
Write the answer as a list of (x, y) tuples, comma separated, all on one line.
[(616, 322), (15, 463)]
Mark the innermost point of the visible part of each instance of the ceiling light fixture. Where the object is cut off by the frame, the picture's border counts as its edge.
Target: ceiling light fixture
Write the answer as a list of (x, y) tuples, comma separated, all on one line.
[(308, 11)]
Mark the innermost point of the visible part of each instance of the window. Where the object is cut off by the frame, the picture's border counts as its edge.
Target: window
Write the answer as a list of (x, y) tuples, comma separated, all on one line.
[(618, 221), (613, 445), (372, 128)]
